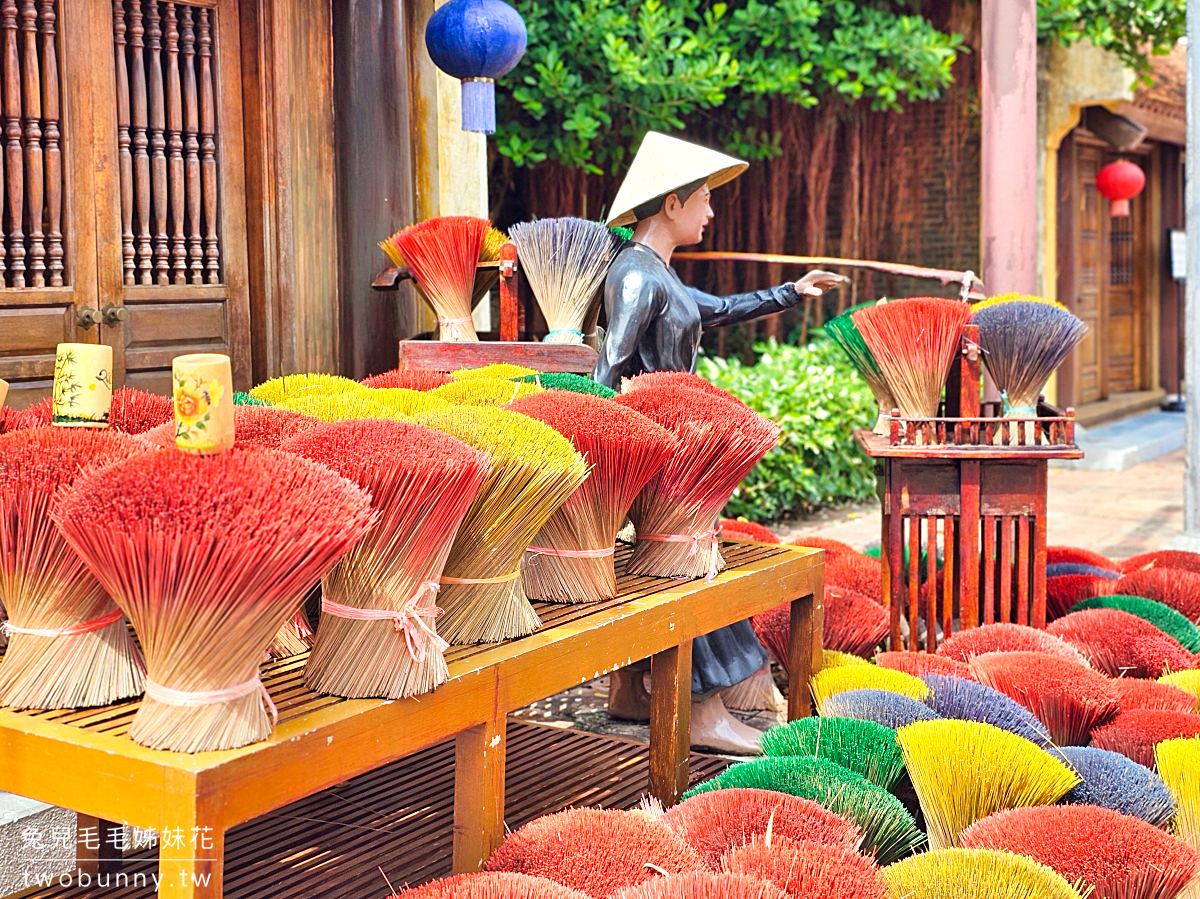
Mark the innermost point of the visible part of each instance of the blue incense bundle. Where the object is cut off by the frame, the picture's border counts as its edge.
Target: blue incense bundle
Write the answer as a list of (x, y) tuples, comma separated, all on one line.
[(1112, 781), (955, 697), (881, 706)]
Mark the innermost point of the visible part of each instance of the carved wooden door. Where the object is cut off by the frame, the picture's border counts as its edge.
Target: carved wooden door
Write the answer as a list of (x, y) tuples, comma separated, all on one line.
[(1124, 296), (124, 201), (1089, 226)]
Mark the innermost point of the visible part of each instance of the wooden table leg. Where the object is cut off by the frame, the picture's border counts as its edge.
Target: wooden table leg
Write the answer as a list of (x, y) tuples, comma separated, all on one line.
[(96, 845), (804, 653), (670, 722), (478, 794)]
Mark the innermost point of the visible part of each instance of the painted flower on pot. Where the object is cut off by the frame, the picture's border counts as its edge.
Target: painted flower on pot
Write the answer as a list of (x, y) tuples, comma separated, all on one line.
[(196, 399)]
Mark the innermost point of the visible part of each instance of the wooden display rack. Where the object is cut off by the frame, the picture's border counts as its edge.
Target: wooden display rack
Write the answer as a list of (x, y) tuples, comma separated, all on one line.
[(979, 482), (513, 343), (84, 759)]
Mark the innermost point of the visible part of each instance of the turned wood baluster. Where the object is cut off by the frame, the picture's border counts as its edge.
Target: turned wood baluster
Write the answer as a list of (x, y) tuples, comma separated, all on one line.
[(191, 148), (141, 159), (31, 89), (175, 143), (50, 113), (124, 157), (158, 143), (14, 171), (208, 148)]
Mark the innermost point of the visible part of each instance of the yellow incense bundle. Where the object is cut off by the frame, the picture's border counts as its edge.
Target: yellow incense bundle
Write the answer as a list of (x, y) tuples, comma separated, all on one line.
[(484, 391), (407, 402), (504, 371), (277, 390), (534, 470), (340, 406)]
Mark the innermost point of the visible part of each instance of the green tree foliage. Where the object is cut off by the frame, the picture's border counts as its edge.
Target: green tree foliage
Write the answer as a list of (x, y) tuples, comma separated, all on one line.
[(1128, 28), (599, 73)]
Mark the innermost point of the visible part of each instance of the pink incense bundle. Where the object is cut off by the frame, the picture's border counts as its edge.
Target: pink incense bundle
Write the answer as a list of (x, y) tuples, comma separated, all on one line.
[(571, 559), (1121, 644), (1003, 637), (1068, 697), (720, 440), (208, 556), (376, 637), (407, 379), (69, 646), (1136, 732), (1174, 587), (136, 411)]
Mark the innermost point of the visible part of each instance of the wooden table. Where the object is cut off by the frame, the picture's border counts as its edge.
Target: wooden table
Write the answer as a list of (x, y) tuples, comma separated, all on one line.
[(84, 760)]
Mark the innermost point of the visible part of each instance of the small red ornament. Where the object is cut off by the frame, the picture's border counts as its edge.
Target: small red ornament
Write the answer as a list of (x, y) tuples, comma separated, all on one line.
[(1120, 181)]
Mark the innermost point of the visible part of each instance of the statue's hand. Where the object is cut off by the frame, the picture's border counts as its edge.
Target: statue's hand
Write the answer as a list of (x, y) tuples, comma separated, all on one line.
[(817, 282)]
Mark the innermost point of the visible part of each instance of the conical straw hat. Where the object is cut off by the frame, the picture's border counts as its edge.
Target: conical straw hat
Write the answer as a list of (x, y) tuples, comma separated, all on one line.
[(664, 164)]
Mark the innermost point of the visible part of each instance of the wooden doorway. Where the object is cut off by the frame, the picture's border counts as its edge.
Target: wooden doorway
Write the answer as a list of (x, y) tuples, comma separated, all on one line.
[(123, 191), (1110, 289)]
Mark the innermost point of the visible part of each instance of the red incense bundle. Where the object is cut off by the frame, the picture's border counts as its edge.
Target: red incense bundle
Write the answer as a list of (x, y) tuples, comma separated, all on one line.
[(858, 572), (1121, 644), (1003, 637), (659, 379), (733, 529), (1162, 558), (1065, 590), (1057, 555), (208, 556), (136, 411), (443, 254), (720, 440), (1136, 732), (1136, 693), (832, 547), (407, 379), (376, 637), (919, 664), (1174, 587), (68, 644), (1069, 698), (571, 559)]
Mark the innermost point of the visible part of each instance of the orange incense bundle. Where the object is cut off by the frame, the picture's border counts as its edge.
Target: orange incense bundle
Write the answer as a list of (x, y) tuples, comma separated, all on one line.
[(407, 379), (1121, 644), (376, 637), (914, 341), (68, 644), (1174, 587), (208, 556), (1069, 698), (720, 440), (571, 559), (136, 411), (442, 254), (858, 572), (1004, 637)]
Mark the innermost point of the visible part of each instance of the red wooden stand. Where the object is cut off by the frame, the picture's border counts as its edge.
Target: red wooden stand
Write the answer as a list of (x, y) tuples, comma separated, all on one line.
[(979, 483)]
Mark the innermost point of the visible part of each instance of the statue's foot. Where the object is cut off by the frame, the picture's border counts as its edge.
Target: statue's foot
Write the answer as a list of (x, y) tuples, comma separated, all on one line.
[(757, 693), (713, 727), (628, 698)]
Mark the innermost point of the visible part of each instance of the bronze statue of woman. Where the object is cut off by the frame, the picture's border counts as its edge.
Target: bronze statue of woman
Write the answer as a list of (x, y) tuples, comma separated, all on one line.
[(654, 324)]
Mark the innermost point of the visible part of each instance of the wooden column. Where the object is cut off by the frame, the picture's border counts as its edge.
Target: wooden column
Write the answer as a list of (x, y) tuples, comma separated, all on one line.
[(479, 755), (670, 722), (804, 651)]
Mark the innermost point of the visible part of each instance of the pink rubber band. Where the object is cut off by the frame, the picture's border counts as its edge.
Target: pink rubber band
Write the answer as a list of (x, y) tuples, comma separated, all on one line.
[(409, 618), (73, 630), (574, 553), (695, 541), (171, 696)]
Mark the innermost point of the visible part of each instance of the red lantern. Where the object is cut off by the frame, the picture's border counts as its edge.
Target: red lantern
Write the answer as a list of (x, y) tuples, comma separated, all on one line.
[(1120, 181)]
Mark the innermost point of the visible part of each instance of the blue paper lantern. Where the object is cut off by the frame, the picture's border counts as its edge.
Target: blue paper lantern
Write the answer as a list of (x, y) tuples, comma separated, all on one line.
[(477, 41)]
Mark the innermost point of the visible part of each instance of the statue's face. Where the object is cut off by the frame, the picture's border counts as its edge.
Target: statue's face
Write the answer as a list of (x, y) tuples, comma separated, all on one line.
[(694, 217)]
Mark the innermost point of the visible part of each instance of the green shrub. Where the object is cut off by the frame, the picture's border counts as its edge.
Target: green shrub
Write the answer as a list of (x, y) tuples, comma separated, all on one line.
[(817, 398)]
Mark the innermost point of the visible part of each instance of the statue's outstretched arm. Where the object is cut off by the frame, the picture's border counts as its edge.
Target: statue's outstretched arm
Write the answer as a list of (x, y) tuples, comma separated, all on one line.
[(741, 307)]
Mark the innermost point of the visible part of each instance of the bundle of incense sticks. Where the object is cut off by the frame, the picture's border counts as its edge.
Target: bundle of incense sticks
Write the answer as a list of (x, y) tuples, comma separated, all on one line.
[(278, 389), (719, 441), (340, 406), (571, 559), (377, 635), (69, 645), (534, 470), (484, 391), (408, 378), (208, 556), (407, 402), (503, 370)]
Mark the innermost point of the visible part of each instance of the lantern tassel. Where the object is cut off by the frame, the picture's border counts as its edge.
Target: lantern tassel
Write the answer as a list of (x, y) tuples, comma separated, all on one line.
[(479, 105)]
